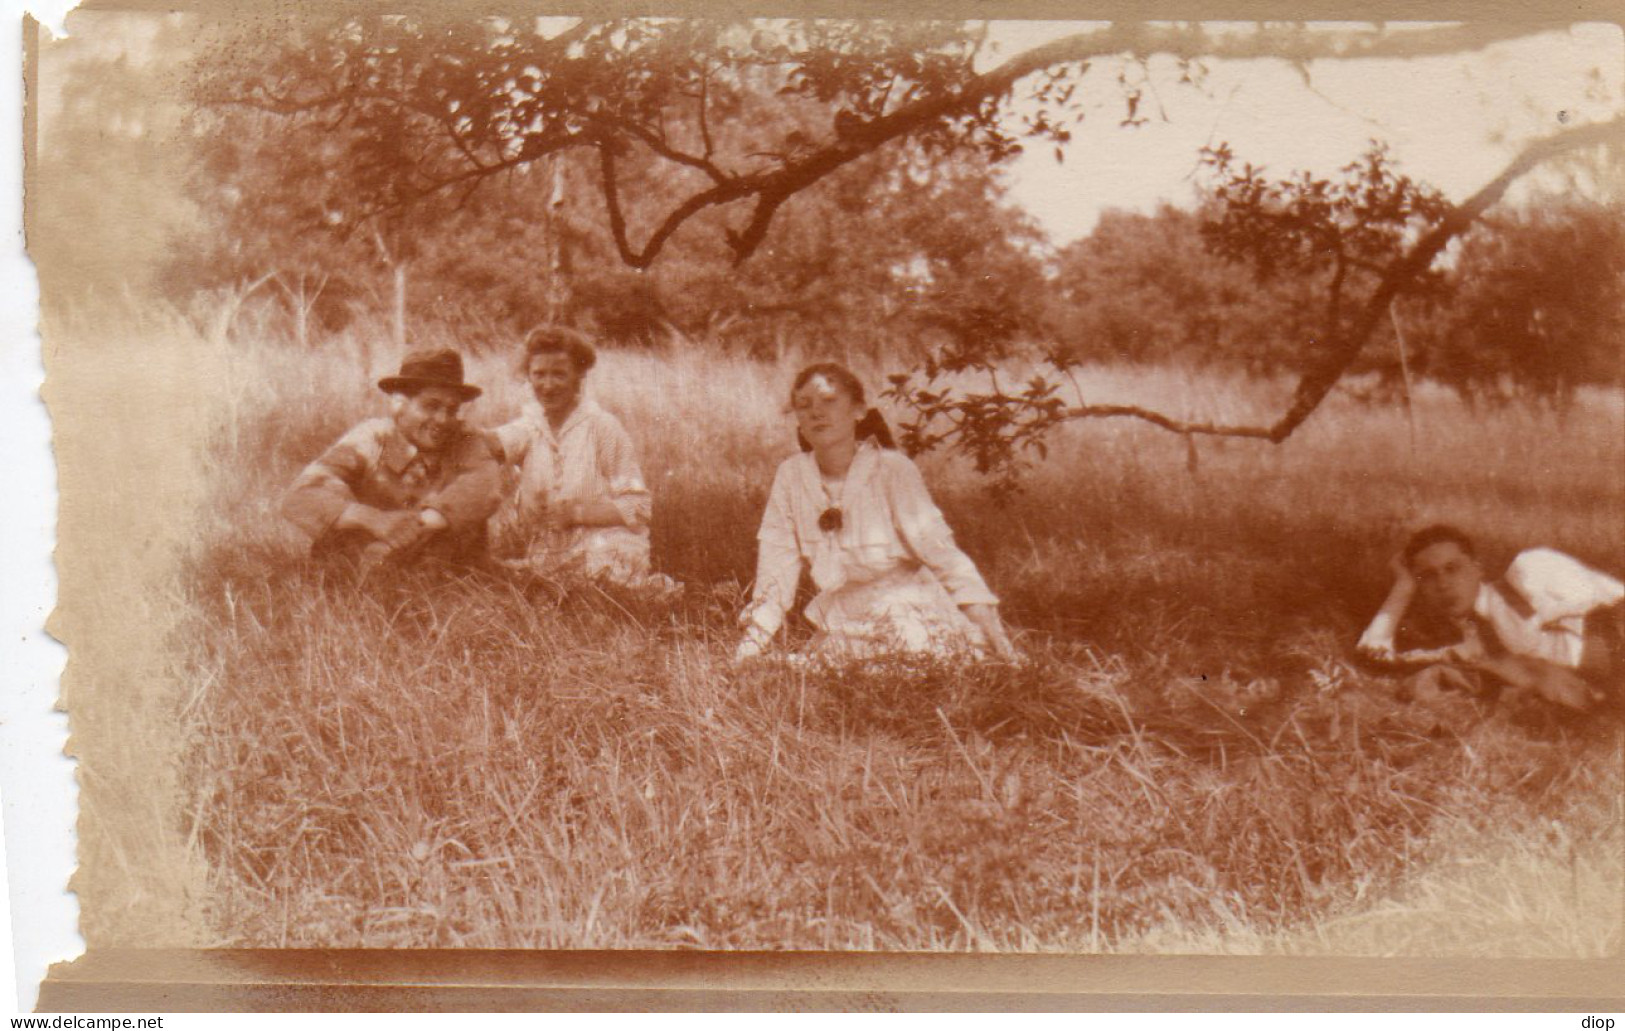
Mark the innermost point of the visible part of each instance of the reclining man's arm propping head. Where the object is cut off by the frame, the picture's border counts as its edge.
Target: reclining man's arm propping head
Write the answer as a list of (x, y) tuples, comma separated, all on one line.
[(1377, 642)]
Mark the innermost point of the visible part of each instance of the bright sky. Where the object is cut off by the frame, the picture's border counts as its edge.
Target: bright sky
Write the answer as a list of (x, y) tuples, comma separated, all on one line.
[(1452, 121)]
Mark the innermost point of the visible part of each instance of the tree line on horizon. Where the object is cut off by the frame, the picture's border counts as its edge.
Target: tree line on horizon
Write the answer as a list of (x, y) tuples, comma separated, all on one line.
[(905, 246)]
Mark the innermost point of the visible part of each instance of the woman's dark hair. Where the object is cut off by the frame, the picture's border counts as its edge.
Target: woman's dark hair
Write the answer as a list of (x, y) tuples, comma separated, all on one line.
[(551, 339), (1438, 533), (871, 427)]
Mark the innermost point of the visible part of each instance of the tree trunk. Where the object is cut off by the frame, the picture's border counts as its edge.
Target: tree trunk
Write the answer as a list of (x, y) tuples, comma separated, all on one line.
[(397, 322), (231, 303), (555, 245), (301, 319)]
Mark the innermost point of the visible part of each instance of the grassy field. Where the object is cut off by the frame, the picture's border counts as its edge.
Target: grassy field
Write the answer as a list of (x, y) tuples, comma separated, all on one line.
[(1189, 763)]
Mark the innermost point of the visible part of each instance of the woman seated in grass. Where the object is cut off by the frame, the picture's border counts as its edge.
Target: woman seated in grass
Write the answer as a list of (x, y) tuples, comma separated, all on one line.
[(580, 506), (855, 510)]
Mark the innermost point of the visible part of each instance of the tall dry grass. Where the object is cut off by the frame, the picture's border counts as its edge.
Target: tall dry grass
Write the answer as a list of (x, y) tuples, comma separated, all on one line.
[(1188, 763)]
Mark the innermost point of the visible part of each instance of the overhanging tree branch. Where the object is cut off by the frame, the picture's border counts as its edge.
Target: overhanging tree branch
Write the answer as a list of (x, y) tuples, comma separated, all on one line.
[(1318, 382), (1295, 43), (581, 79), (1005, 421)]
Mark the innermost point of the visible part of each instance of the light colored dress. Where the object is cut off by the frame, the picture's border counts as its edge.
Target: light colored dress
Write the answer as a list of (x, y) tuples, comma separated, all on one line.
[(591, 456), (891, 579)]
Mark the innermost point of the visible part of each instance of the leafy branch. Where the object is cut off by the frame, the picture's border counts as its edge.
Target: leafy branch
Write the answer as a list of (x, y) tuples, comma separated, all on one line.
[(1354, 233), (501, 98)]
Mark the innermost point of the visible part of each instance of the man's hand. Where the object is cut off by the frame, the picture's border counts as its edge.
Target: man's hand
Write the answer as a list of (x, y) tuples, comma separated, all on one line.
[(433, 521), (1550, 681), (396, 530), (1470, 650), (1404, 579), (399, 530), (1376, 650)]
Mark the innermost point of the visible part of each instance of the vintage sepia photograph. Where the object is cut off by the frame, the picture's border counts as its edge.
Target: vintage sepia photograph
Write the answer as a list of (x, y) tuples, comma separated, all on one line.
[(831, 483)]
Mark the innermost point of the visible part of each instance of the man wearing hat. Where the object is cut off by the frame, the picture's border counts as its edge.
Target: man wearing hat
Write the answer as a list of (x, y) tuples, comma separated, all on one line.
[(417, 484)]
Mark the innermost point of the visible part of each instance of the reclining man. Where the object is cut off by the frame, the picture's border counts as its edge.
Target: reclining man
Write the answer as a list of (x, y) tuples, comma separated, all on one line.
[(1550, 626), (415, 485)]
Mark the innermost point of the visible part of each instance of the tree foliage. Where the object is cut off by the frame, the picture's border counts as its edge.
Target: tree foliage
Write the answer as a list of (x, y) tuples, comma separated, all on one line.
[(1365, 241), (1146, 288), (1529, 304), (684, 144), (435, 107), (1538, 306), (533, 247)]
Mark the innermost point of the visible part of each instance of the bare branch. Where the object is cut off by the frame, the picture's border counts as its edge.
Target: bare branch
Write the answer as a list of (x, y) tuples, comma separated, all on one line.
[(1166, 422), (659, 145), (744, 244), (705, 122)]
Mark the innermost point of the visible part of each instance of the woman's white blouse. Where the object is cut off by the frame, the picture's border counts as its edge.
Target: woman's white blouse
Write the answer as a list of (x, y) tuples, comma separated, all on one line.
[(889, 523), (591, 456)]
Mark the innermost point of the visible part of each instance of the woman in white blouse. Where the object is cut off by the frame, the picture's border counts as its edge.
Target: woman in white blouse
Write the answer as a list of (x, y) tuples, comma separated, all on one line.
[(581, 505), (855, 510)]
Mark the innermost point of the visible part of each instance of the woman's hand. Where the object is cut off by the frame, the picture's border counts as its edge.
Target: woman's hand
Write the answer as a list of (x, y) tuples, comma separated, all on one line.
[(752, 644), (589, 512), (986, 619)]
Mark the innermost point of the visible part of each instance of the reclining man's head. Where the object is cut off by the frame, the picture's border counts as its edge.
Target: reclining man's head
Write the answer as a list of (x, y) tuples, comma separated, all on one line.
[(1447, 571)]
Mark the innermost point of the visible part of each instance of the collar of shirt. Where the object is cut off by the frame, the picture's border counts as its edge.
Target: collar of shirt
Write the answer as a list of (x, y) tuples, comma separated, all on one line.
[(397, 453), (864, 463), (863, 467), (585, 409)]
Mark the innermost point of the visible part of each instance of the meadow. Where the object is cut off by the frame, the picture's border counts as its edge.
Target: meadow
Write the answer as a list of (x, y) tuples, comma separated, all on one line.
[(1189, 761)]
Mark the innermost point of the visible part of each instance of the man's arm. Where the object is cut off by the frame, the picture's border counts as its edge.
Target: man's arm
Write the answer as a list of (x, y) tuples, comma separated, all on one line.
[(1377, 642), (1550, 681), (475, 488), (1541, 610), (322, 498)]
